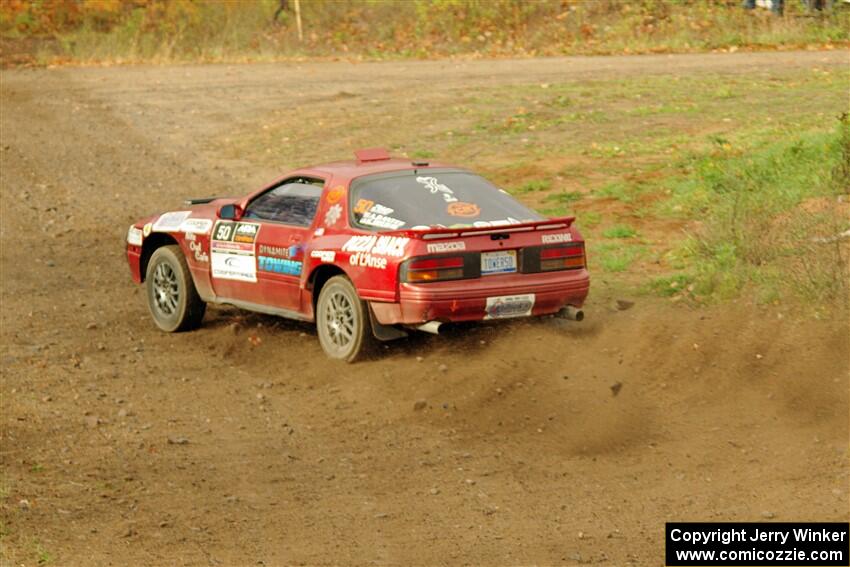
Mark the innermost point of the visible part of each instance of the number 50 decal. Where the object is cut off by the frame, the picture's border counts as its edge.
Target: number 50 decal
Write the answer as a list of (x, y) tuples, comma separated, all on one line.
[(223, 231)]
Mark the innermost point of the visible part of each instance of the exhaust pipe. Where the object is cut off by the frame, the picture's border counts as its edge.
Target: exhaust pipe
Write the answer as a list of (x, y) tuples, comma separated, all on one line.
[(570, 312), (432, 327)]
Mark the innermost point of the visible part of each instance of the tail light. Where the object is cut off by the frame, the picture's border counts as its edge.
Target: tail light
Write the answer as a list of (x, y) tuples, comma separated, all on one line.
[(562, 258), (421, 270)]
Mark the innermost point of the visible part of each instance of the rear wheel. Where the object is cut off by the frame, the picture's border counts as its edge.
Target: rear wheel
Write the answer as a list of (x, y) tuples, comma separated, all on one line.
[(173, 301), (342, 320)]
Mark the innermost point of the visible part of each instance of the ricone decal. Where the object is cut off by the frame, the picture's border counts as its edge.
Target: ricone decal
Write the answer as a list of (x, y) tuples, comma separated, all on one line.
[(436, 187), (460, 209), (134, 236), (506, 306), (170, 222), (332, 215), (146, 230), (437, 247), (335, 194), (196, 226), (323, 255), (555, 238)]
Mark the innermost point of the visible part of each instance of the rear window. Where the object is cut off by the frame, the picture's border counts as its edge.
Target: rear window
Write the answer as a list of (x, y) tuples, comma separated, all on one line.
[(432, 198)]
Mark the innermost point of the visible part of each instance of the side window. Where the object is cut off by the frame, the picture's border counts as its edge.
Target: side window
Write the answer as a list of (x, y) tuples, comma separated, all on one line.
[(293, 202)]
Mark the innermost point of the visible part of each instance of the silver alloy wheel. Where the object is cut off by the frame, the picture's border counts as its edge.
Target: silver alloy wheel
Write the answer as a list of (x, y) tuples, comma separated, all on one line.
[(339, 316), (166, 289)]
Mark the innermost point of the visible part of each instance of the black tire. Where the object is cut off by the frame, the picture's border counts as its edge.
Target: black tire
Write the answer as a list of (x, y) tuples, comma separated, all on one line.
[(342, 321), (173, 301)]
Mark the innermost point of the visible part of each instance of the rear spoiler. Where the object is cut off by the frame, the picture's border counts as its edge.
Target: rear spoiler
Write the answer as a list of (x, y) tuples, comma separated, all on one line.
[(434, 233)]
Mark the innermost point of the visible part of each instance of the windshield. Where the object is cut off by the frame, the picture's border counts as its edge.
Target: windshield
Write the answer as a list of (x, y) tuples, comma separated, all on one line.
[(432, 198)]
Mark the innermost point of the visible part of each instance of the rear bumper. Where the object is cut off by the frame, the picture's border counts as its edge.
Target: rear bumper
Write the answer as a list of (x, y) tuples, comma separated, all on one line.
[(466, 300)]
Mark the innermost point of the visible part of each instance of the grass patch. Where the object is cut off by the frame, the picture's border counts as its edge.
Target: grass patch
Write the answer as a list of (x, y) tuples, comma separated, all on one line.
[(564, 197), (611, 257), (533, 186), (770, 218), (620, 231)]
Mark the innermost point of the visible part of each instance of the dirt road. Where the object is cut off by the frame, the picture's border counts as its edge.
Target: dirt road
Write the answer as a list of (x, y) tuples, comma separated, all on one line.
[(125, 446)]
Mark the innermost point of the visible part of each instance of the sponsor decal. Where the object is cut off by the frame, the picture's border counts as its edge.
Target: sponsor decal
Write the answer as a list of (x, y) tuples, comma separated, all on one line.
[(196, 226), (381, 245), (319, 232), (377, 215), (279, 251), (189, 236), (232, 251), (332, 215), (244, 232), (506, 306), (279, 266), (324, 255), (135, 236), (437, 187), (501, 222), (146, 230), (362, 206), (198, 250), (554, 238), (335, 194), (366, 260), (460, 209), (438, 247), (170, 222)]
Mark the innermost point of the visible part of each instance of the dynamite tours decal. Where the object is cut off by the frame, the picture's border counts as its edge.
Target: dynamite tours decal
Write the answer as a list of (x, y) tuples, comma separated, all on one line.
[(373, 251), (233, 251)]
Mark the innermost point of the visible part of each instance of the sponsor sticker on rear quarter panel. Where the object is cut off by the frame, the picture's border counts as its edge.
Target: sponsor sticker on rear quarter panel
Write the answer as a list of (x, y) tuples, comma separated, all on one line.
[(507, 306)]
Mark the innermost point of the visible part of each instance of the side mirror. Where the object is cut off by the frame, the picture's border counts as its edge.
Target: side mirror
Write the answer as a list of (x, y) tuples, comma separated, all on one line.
[(230, 212)]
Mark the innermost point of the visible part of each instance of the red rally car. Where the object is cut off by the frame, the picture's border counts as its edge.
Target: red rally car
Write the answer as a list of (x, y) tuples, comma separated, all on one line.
[(366, 249)]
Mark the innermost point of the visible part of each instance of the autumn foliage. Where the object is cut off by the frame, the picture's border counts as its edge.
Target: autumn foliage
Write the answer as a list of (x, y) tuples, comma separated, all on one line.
[(166, 30)]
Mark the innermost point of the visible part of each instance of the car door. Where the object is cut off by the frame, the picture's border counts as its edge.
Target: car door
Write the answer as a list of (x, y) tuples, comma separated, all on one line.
[(258, 261)]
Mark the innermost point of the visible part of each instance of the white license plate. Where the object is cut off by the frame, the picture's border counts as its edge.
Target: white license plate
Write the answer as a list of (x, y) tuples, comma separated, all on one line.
[(506, 306), (501, 262)]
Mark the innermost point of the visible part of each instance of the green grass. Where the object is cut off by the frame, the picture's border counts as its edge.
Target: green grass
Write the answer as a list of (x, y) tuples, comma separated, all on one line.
[(761, 212), (620, 231), (532, 186), (614, 258)]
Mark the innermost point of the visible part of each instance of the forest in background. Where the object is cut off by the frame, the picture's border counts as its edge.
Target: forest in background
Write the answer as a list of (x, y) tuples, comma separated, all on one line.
[(40, 32)]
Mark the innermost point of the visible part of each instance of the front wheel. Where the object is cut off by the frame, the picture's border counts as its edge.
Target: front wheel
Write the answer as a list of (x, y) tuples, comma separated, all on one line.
[(173, 300), (342, 320)]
